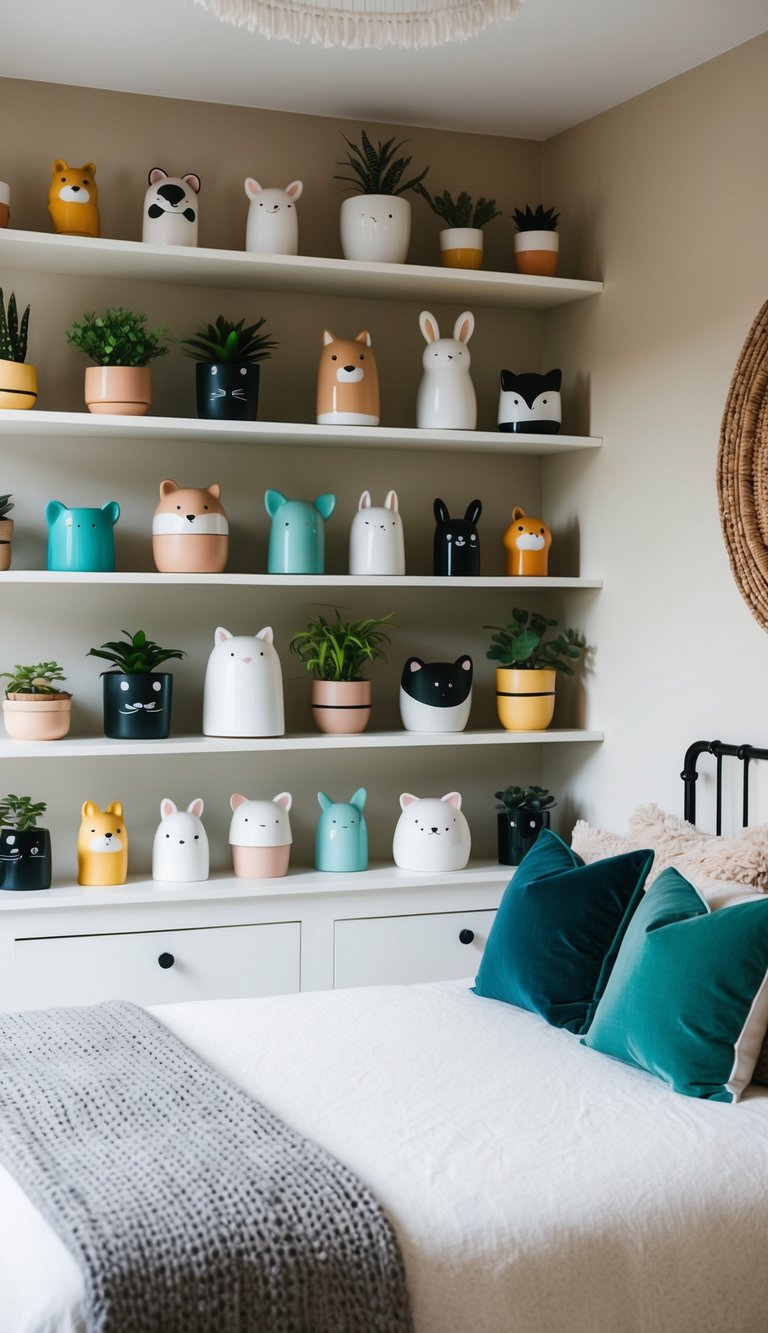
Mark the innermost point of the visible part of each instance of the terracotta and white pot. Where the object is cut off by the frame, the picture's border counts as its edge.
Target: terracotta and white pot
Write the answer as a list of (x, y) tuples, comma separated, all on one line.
[(18, 385), (525, 699), (342, 707), (536, 253), (5, 204), (6, 537), (37, 717), (376, 228), (461, 247), (124, 390)]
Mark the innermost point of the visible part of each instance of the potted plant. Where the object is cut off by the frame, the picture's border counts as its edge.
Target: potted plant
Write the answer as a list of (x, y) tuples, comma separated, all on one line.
[(522, 812), (227, 370), (18, 382), (34, 708), (25, 849), (137, 697), (6, 531), (376, 221), (336, 652), (536, 241), (528, 667), (461, 241), (121, 347)]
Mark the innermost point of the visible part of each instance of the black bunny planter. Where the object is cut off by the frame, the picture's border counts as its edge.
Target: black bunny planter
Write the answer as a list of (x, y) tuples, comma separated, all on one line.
[(457, 543)]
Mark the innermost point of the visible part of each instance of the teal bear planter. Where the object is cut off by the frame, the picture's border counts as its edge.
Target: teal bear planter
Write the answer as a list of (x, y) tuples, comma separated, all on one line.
[(82, 540), (341, 841), (297, 535)]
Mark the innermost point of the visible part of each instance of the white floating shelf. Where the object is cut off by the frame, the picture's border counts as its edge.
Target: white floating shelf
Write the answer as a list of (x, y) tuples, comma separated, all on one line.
[(137, 262), (87, 425), (302, 582)]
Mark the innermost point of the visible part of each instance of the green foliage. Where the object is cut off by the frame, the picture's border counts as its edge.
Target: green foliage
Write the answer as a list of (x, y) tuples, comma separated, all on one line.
[(540, 219), (377, 170), (21, 812), (523, 644), (340, 650), (225, 343), (41, 679), (118, 338), (135, 655), (13, 337), (524, 798), (6, 505), (461, 212)]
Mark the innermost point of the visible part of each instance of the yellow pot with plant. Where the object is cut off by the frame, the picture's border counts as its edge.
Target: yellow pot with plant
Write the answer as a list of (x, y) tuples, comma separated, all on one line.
[(461, 241), (529, 659), (18, 381)]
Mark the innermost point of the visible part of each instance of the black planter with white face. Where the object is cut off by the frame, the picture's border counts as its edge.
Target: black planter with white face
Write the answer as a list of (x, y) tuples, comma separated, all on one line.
[(518, 831), (25, 859), (138, 707), (227, 392)]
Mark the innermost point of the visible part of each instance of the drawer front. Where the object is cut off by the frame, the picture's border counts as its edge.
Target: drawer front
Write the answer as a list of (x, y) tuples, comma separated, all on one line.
[(222, 962), (390, 949)]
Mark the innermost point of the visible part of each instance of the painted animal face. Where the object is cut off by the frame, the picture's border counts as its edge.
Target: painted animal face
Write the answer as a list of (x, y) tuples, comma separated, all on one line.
[(17, 847), (139, 694), (376, 542), (438, 684), (530, 403), (244, 654), (457, 542), (431, 834), (272, 201), (180, 848), (81, 539), (526, 533), (171, 196), (345, 360), (297, 535), (446, 353), (181, 828), (348, 381), (190, 510), (341, 841), (102, 833), (260, 823), (73, 185)]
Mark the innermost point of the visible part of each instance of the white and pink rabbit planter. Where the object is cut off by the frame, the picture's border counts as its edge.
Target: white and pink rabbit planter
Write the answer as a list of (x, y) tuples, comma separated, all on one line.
[(180, 849), (376, 542), (260, 836), (446, 398), (273, 220)]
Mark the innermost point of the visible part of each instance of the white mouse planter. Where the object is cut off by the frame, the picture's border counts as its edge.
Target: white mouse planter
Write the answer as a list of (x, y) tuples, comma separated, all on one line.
[(243, 693), (170, 209), (260, 836), (273, 220), (431, 835), (180, 849), (446, 398), (376, 544)]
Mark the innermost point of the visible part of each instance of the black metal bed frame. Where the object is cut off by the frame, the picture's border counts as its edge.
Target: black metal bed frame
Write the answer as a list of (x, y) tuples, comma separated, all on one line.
[(744, 753)]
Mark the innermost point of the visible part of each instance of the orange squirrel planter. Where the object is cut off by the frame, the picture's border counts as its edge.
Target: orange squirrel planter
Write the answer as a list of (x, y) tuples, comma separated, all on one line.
[(73, 199), (527, 541)]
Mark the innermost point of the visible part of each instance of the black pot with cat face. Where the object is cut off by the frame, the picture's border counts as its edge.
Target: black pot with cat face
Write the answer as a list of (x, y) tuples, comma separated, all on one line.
[(227, 393), (25, 859), (517, 832), (138, 707)]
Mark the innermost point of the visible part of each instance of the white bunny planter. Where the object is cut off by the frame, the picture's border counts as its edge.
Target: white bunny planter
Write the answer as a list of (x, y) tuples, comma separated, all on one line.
[(273, 222), (171, 209), (431, 835), (180, 850), (376, 544), (260, 836), (446, 397), (243, 693)]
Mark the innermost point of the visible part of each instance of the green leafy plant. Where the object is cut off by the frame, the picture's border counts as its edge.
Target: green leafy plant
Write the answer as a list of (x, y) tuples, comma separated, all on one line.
[(524, 798), (6, 505), (119, 337), (136, 655), (41, 679), (378, 170), (21, 812), (461, 212), (225, 343), (13, 336), (523, 644), (538, 219), (340, 650)]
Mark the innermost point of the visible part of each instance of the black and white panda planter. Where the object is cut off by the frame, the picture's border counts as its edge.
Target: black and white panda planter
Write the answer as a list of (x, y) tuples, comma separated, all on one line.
[(171, 209), (531, 404), (436, 696)]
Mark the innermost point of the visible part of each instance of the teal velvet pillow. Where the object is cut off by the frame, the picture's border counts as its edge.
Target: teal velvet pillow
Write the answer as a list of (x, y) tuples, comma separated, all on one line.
[(688, 996), (558, 930)]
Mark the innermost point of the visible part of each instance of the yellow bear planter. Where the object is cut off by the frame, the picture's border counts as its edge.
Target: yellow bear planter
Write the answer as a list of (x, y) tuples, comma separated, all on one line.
[(102, 846), (527, 541), (73, 199)]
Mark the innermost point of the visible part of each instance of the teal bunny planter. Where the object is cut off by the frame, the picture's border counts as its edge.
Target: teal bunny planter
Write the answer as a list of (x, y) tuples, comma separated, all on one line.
[(297, 535), (341, 841), (82, 540)]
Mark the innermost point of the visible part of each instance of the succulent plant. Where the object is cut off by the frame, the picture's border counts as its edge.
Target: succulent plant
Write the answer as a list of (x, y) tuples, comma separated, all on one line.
[(538, 219), (6, 505), (524, 798), (40, 679), (225, 343), (340, 650), (117, 338), (377, 170), (13, 336), (522, 644), (21, 812), (135, 655), (461, 212)]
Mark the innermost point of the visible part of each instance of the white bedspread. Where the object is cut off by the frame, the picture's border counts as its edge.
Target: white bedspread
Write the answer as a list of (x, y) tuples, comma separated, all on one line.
[(536, 1186)]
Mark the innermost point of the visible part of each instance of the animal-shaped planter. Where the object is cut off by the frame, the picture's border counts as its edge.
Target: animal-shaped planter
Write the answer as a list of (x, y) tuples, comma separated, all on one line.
[(446, 398), (170, 209), (457, 541), (436, 696), (431, 835), (102, 846), (297, 534), (341, 840), (82, 540), (530, 403), (273, 220), (376, 544), (25, 858), (348, 382), (243, 694), (137, 706), (73, 199), (527, 541), (180, 849), (260, 836), (190, 532)]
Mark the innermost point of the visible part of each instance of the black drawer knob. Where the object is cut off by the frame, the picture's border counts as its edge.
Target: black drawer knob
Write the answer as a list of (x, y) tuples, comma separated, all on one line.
[(466, 936), (166, 960)]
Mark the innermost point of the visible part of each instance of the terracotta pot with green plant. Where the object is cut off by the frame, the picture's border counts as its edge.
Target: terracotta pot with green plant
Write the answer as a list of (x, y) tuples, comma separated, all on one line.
[(375, 221), (537, 243), (34, 708), (461, 241), (18, 381), (522, 812), (25, 849), (227, 373), (6, 531), (122, 348), (137, 697), (529, 663), (337, 652)]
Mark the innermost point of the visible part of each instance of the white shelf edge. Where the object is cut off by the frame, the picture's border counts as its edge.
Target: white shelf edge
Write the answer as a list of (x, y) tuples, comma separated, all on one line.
[(27, 577)]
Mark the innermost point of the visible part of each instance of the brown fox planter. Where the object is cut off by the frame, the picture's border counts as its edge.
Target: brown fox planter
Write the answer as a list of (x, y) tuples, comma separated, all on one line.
[(190, 532)]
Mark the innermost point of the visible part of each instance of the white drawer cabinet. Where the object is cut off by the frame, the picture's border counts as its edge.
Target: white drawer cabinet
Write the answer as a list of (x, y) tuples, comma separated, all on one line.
[(440, 946)]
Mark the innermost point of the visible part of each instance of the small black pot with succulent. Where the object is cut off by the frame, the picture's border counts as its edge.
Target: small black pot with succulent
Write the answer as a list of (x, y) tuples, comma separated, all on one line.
[(25, 849), (228, 368), (137, 697), (461, 241), (522, 812)]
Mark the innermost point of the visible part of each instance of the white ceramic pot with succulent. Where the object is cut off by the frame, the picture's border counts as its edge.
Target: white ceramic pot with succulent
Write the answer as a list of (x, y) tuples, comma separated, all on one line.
[(537, 243), (375, 221), (6, 532), (461, 240), (34, 708)]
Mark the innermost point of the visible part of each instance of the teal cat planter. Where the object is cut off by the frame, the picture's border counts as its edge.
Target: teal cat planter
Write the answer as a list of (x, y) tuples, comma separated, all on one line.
[(297, 535), (341, 841), (82, 540)]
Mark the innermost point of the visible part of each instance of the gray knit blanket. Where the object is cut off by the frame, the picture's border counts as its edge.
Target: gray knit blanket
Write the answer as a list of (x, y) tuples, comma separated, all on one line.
[(189, 1207)]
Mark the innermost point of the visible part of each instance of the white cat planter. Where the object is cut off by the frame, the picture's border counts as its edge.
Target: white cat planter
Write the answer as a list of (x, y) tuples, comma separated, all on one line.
[(273, 221), (180, 850), (431, 835), (243, 693), (260, 836), (170, 209), (446, 398), (376, 544)]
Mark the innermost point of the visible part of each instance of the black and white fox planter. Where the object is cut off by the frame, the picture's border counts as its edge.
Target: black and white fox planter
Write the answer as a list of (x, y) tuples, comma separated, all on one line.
[(531, 404), (436, 696)]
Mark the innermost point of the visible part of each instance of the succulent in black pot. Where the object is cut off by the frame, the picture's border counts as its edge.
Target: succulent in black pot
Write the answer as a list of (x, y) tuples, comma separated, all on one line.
[(228, 371), (137, 697), (25, 849), (522, 813)]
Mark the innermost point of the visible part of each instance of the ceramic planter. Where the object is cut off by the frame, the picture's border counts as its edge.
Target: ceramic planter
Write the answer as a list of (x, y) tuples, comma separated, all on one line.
[(102, 845), (37, 717), (243, 692), (227, 393), (525, 700), (461, 247), (25, 859), (446, 395), (341, 839), (18, 385), (530, 404), (138, 707), (273, 222), (376, 542), (517, 832), (190, 532), (73, 199), (6, 537), (260, 836), (348, 382), (81, 540), (180, 848), (341, 706), (123, 390), (536, 253), (375, 228), (432, 835), (297, 533), (527, 541), (436, 696), (171, 213), (456, 545), (5, 204)]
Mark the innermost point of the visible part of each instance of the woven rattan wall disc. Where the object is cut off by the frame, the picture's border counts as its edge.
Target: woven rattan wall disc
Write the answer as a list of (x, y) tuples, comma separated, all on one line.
[(742, 471)]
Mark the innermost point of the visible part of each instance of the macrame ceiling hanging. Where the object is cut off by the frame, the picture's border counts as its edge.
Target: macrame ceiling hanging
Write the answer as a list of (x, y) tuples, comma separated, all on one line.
[(357, 24)]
